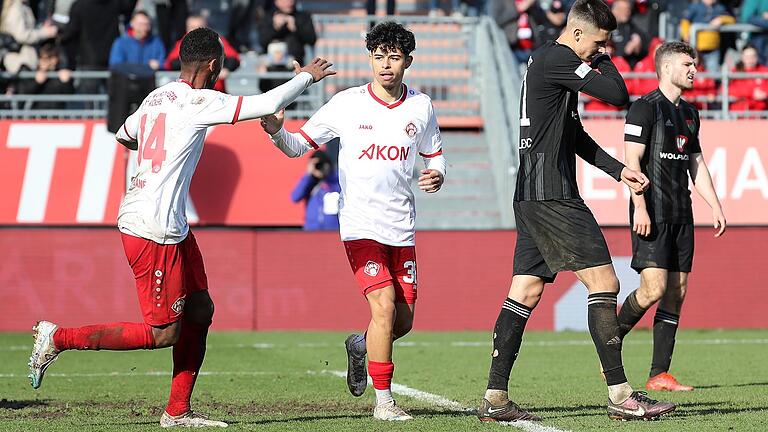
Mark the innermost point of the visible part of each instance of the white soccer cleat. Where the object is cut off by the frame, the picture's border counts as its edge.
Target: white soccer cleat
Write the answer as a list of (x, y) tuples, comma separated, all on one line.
[(43, 352), (390, 412), (190, 419)]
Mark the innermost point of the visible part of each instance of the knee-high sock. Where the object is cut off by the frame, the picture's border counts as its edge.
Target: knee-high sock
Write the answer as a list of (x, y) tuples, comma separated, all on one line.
[(188, 354), (507, 337), (604, 328), (664, 330), (114, 336), (630, 314)]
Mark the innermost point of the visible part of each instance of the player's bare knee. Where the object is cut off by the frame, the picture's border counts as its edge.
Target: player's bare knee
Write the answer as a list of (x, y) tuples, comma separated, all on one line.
[(654, 291), (168, 335), (383, 311), (200, 310)]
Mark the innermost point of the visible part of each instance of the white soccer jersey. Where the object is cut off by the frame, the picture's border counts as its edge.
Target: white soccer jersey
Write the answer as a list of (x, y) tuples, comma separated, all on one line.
[(170, 127), (378, 147)]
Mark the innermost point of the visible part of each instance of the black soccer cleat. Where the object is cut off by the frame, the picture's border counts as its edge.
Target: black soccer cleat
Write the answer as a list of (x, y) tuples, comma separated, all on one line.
[(503, 413), (357, 376)]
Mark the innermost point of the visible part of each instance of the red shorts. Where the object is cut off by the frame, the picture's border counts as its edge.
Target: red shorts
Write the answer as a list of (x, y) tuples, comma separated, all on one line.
[(376, 266), (165, 274)]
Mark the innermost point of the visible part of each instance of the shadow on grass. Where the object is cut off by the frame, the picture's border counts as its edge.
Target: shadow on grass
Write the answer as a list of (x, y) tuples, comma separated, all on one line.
[(693, 409), (320, 417), (22, 404)]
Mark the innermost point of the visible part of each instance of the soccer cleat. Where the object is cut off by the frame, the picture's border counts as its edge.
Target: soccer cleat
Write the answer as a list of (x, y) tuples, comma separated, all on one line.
[(390, 412), (665, 381), (190, 419), (503, 413), (639, 407), (43, 352), (357, 376)]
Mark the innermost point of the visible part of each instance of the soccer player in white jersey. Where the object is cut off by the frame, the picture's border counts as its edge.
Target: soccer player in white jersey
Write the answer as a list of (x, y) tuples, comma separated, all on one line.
[(168, 130), (381, 127)]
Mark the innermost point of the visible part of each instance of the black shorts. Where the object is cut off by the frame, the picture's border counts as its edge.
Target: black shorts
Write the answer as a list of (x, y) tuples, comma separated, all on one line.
[(670, 246), (557, 235)]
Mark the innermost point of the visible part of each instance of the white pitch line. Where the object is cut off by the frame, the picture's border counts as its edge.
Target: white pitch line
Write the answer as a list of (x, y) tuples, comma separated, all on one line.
[(149, 374), (461, 344), (452, 405)]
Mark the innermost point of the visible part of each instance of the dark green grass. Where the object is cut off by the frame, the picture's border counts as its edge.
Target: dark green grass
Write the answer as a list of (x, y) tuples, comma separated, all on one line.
[(283, 387)]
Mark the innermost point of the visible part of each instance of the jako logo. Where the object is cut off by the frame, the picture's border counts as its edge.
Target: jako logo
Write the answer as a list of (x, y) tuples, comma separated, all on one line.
[(366, 127), (385, 152), (681, 141), (672, 156)]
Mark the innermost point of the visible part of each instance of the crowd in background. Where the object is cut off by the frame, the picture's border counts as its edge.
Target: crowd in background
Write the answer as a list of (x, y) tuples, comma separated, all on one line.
[(54, 37)]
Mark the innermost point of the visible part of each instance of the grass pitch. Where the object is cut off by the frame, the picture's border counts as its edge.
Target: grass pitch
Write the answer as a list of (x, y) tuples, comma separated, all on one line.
[(286, 382)]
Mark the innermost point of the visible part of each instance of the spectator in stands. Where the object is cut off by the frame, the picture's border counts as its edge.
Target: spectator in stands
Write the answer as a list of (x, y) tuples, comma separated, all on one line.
[(231, 57), (749, 94), (513, 16), (642, 86), (93, 26), (319, 189), (288, 25), (630, 41), (48, 61), (548, 25), (645, 15), (18, 20), (171, 16), (458, 8), (371, 7), (707, 42), (755, 12), (138, 45), (241, 16)]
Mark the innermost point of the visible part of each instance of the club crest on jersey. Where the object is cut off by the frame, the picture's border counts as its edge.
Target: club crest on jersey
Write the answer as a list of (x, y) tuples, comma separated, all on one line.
[(681, 141), (178, 306), (372, 268), (410, 129)]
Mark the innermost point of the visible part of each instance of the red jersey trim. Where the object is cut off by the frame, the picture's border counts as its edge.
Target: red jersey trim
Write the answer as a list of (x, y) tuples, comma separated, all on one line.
[(309, 140), (185, 82), (237, 110), (437, 153), (394, 104), (126, 132)]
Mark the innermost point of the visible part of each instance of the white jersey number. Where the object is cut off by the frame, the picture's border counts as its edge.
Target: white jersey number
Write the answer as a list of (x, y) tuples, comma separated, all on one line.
[(411, 266)]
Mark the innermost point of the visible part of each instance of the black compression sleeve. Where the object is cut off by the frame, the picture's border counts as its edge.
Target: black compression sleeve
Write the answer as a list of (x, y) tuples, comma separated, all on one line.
[(588, 150), (608, 85)]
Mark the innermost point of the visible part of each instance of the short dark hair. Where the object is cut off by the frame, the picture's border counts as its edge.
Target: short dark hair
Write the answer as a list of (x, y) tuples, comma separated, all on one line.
[(594, 12), (669, 48), (200, 45), (390, 36), (48, 49)]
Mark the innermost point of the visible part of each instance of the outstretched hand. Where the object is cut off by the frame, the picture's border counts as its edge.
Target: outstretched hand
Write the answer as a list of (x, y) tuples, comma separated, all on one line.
[(319, 68), (274, 122), (636, 180)]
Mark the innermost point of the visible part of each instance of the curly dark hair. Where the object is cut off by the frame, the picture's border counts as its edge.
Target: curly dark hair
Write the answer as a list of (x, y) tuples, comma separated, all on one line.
[(200, 45), (390, 36)]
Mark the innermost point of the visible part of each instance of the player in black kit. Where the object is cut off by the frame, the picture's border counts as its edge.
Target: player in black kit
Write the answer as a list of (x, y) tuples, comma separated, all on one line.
[(555, 229), (661, 137)]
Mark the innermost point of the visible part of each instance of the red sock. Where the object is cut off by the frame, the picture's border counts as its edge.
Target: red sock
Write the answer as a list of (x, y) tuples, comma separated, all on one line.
[(188, 354), (115, 336), (381, 374)]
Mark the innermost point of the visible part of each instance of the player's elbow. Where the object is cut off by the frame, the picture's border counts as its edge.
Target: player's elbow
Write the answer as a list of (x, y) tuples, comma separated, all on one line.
[(619, 99)]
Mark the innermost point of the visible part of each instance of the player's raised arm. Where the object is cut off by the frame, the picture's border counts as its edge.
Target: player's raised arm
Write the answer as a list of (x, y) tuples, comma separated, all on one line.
[(281, 96), (608, 85)]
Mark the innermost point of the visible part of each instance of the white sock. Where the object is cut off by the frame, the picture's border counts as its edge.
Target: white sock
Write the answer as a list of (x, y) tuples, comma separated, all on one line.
[(496, 397), (619, 393), (384, 396)]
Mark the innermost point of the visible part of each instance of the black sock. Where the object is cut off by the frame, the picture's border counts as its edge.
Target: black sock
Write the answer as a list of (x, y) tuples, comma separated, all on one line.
[(664, 329), (507, 337), (604, 328), (630, 314)]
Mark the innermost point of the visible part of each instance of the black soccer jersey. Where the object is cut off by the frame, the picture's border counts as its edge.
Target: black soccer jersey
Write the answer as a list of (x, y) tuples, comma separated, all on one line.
[(671, 136), (551, 133)]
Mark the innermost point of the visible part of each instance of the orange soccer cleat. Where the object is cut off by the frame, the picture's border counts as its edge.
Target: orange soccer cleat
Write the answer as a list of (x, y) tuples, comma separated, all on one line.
[(665, 382)]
